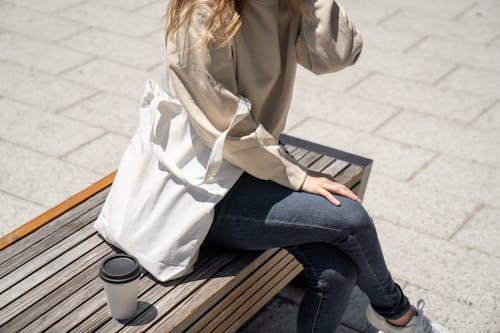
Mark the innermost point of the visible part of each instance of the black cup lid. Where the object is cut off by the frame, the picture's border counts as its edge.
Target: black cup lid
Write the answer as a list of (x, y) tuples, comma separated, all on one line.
[(120, 268)]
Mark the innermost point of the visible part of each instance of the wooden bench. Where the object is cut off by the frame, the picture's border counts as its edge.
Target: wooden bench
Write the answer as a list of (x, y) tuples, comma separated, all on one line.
[(49, 268)]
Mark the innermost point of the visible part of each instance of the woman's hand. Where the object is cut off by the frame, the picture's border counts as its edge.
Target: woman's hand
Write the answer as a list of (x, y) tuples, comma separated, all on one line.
[(323, 184)]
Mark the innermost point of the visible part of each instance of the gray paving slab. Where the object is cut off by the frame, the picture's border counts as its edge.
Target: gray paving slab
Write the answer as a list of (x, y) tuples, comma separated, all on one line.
[(422, 101), (468, 276), (409, 20), (455, 315), (421, 97), (39, 178), (108, 111), (465, 178), (35, 54), (480, 82), (16, 211), (415, 207), (414, 67), (121, 49), (48, 6), (43, 131), (386, 153), (445, 136), (483, 12), (458, 52), (490, 119), (481, 232), (110, 18), (102, 74), (346, 110), (47, 27), (40, 90), (109, 147)]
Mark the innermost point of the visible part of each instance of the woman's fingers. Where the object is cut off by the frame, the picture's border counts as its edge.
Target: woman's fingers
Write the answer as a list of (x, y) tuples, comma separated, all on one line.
[(342, 190), (329, 197)]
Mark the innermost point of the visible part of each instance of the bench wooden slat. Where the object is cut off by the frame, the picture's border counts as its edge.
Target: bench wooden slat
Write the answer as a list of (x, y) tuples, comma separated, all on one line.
[(259, 298), (42, 289), (322, 163), (240, 294), (60, 301), (214, 290), (85, 302), (170, 293), (21, 245), (22, 272), (350, 175), (45, 272), (60, 289), (49, 241)]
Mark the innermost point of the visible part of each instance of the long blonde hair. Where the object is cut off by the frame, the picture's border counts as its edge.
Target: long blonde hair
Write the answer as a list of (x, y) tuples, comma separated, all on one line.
[(224, 19)]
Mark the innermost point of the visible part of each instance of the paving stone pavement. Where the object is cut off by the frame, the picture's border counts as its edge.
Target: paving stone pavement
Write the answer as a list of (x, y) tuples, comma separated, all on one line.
[(423, 101)]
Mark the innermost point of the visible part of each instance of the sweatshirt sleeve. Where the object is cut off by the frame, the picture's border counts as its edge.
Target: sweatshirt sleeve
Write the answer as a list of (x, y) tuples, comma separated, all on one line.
[(204, 80), (329, 41)]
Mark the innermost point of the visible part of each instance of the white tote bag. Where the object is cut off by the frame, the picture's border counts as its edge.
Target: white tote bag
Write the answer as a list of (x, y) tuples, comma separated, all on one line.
[(161, 204)]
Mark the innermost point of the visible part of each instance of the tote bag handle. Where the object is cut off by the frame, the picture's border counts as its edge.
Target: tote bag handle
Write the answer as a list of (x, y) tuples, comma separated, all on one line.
[(216, 155)]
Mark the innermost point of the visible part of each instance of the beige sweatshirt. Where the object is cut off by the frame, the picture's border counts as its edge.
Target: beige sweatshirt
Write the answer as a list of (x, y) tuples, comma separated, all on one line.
[(268, 46)]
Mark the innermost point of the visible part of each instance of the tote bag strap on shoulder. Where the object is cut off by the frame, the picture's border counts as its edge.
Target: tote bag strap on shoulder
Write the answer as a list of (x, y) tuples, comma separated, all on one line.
[(216, 155)]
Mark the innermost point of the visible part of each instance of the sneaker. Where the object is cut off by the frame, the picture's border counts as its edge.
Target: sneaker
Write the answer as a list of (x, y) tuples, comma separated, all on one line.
[(417, 324)]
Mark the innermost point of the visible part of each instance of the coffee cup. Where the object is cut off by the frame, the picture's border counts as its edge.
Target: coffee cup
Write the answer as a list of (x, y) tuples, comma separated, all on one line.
[(120, 275)]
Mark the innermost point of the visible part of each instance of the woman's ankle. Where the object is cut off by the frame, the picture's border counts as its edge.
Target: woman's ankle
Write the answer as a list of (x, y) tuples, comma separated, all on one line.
[(404, 319)]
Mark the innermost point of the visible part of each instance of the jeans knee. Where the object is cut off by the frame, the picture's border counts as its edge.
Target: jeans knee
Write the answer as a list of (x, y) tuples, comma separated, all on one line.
[(343, 277), (359, 221)]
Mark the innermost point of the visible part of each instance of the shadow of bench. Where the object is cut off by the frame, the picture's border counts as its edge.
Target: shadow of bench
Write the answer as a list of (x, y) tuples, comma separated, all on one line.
[(49, 267)]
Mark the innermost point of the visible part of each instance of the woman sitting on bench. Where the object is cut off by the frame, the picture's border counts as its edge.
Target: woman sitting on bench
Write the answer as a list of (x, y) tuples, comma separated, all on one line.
[(277, 202)]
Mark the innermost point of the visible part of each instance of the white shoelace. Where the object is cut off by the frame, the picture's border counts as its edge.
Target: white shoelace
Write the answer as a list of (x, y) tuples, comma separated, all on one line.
[(422, 323)]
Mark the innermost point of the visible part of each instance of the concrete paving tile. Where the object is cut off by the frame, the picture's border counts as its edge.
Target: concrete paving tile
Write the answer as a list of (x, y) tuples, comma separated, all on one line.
[(337, 81), (481, 82), (110, 18), (412, 67), (490, 119), (154, 10), (415, 207), (122, 117), (354, 316), (101, 155), (38, 55), (481, 232), (47, 6), (439, 8), (340, 108), (47, 27), (408, 20), (13, 15), (484, 12), (15, 212), (469, 277), (40, 90), (293, 119), (457, 52), (39, 178), (389, 39), (130, 5), (109, 76), (113, 47), (386, 154), (445, 136), (465, 178), (455, 316), (421, 97), (365, 14), (279, 315), (156, 38), (42, 131)]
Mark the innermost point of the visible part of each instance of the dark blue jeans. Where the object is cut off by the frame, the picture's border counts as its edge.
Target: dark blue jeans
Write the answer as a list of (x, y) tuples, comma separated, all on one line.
[(337, 246)]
